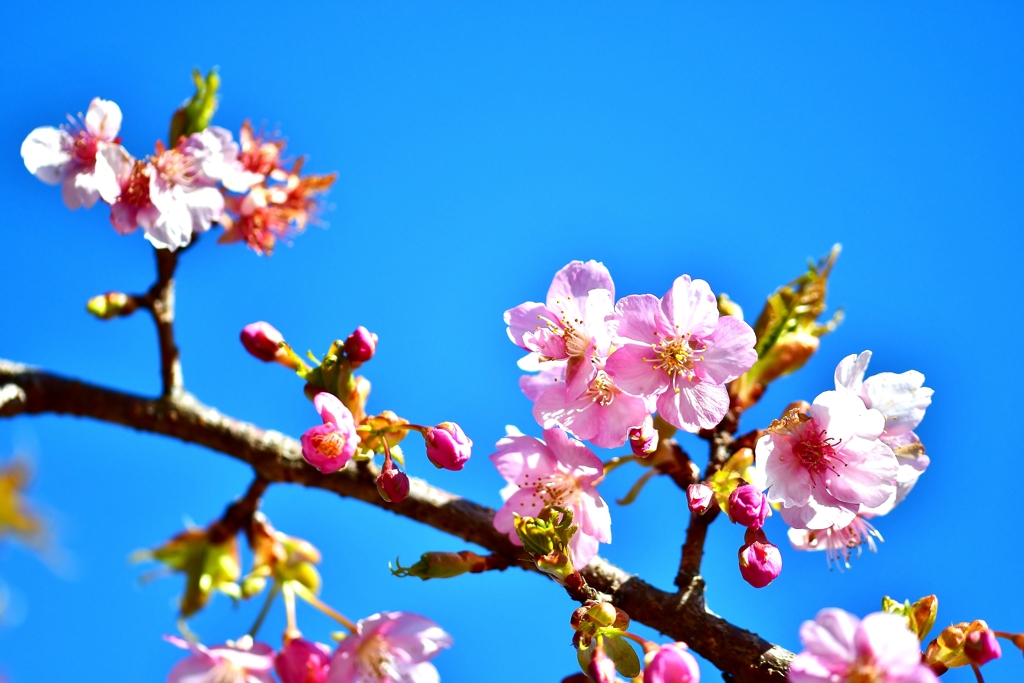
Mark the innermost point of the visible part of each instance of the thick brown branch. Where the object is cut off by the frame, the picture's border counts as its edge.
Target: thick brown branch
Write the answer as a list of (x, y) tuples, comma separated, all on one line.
[(277, 458)]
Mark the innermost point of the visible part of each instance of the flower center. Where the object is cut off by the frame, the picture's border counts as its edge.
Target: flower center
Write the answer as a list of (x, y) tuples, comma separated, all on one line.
[(330, 444), (865, 670), (678, 355), (555, 488), (83, 148), (602, 389), (135, 190), (816, 451), (175, 167), (375, 659)]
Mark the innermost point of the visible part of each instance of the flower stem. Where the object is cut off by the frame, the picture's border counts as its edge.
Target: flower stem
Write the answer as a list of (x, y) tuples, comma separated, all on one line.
[(291, 629), (308, 596), (618, 462), (274, 590)]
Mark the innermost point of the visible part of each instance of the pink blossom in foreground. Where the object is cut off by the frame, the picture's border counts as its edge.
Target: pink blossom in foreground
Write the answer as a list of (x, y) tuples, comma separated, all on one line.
[(570, 325), (448, 447), (557, 471), (902, 399), (302, 661), (329, 447), (234, 662), (390, 646), (602, 415), (672, 663), (837, 542), (679, 349), (66, 156), (839, 648), (824, 465)]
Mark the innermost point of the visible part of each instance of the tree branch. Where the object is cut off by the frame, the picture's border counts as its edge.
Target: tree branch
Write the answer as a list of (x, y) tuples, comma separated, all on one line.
[(160, 302), (277, 458), (697, 530)]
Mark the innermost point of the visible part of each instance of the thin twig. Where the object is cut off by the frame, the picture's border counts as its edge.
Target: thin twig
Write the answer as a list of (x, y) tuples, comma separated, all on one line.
[(160, 302), (697, 531)]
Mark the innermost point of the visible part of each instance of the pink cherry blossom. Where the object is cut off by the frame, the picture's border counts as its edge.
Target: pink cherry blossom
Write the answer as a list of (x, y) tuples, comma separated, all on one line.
[(302, 661), (216, 156), (67, 155), (329, 447), (838, 542), (672, 663), (390, 646), (679, 349), (234, 662), (902, 399), (557, 471), (570, 325), (824, 465), (840, 648), (550, 374), (602, 415)]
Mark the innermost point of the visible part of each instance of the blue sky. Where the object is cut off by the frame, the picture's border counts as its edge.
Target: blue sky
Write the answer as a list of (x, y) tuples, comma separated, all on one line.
[(480, 147)]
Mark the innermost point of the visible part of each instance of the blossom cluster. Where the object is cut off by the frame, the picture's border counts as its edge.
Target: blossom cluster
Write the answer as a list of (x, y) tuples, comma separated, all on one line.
[(390, 646), (180, 190)]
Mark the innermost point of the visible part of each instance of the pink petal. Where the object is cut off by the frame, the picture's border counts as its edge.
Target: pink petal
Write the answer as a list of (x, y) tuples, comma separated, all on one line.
[(730, 351), (691, 307), (575, 281), (526, 318), (584, 549), (331, 409), (526, 503), (521, 456), (580, 460), (693, 406), (635, 370), (850, 372), (892, 645), (640, 319), (593, 515), (103, 119)]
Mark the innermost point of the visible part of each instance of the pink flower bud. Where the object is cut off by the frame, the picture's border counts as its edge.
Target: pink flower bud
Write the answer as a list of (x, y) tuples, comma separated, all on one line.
[(699, 497), (448, 446), (262, 340), (329, 447), (392, 483), (748, 506), (643, 439), (672, 664), (360, 346), (601, 668), (301, 661), (760, 561), (981, 647)]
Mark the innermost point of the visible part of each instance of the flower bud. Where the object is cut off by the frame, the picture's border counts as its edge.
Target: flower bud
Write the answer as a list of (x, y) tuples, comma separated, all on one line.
[(672, 664), (644, 438), (947, 650), (360, 346), (262, 340), (981, 647), (601, 668), (112, 305), (448, 446), (760, 561), (699, 497), (748, 506), (392, 483), (301, 661), (441, 565)]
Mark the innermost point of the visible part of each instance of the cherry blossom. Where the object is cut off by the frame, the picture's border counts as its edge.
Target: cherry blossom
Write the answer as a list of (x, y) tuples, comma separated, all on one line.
[(840, 648), (823, 465), (679, 349), (303, 661), (603, 415), (234, 662), (329, 447), (838, 542), (557, 471), (570, 325), (66, 156), (547, 375), (390, 646)]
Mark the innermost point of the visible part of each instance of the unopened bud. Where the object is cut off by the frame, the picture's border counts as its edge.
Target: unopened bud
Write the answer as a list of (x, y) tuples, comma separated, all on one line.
[(360, 346), (262, 340), (448, 446), (982, 647), (947, 649), (392, 483), (699, 498), (112, 305), (440, 565), (643, 440), (748, 506), (301, 661), (760, 561), (672, 663)]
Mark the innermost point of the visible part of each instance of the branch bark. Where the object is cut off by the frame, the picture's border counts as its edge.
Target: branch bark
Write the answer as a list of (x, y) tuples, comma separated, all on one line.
[(277, 458)]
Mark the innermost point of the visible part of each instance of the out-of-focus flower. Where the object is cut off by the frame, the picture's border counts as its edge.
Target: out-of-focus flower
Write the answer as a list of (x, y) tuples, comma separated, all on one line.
[(242, 661), (601, 667), (280, 557), (672, 663), (15, 516), (838, 542), (329, 447), (679, 349), (390, 646), (262, 340), (448, 447), (260, 155), (760, 561), (823, 465), (841, 648), (570, 326), (699, 498), (66, 156), (981, 647), (302, 661), (558, 471), (948, 649), (216, 154), (920, 615)]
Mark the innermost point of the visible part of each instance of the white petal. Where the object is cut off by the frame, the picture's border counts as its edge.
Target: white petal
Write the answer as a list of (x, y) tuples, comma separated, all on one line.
[(45, 155)]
